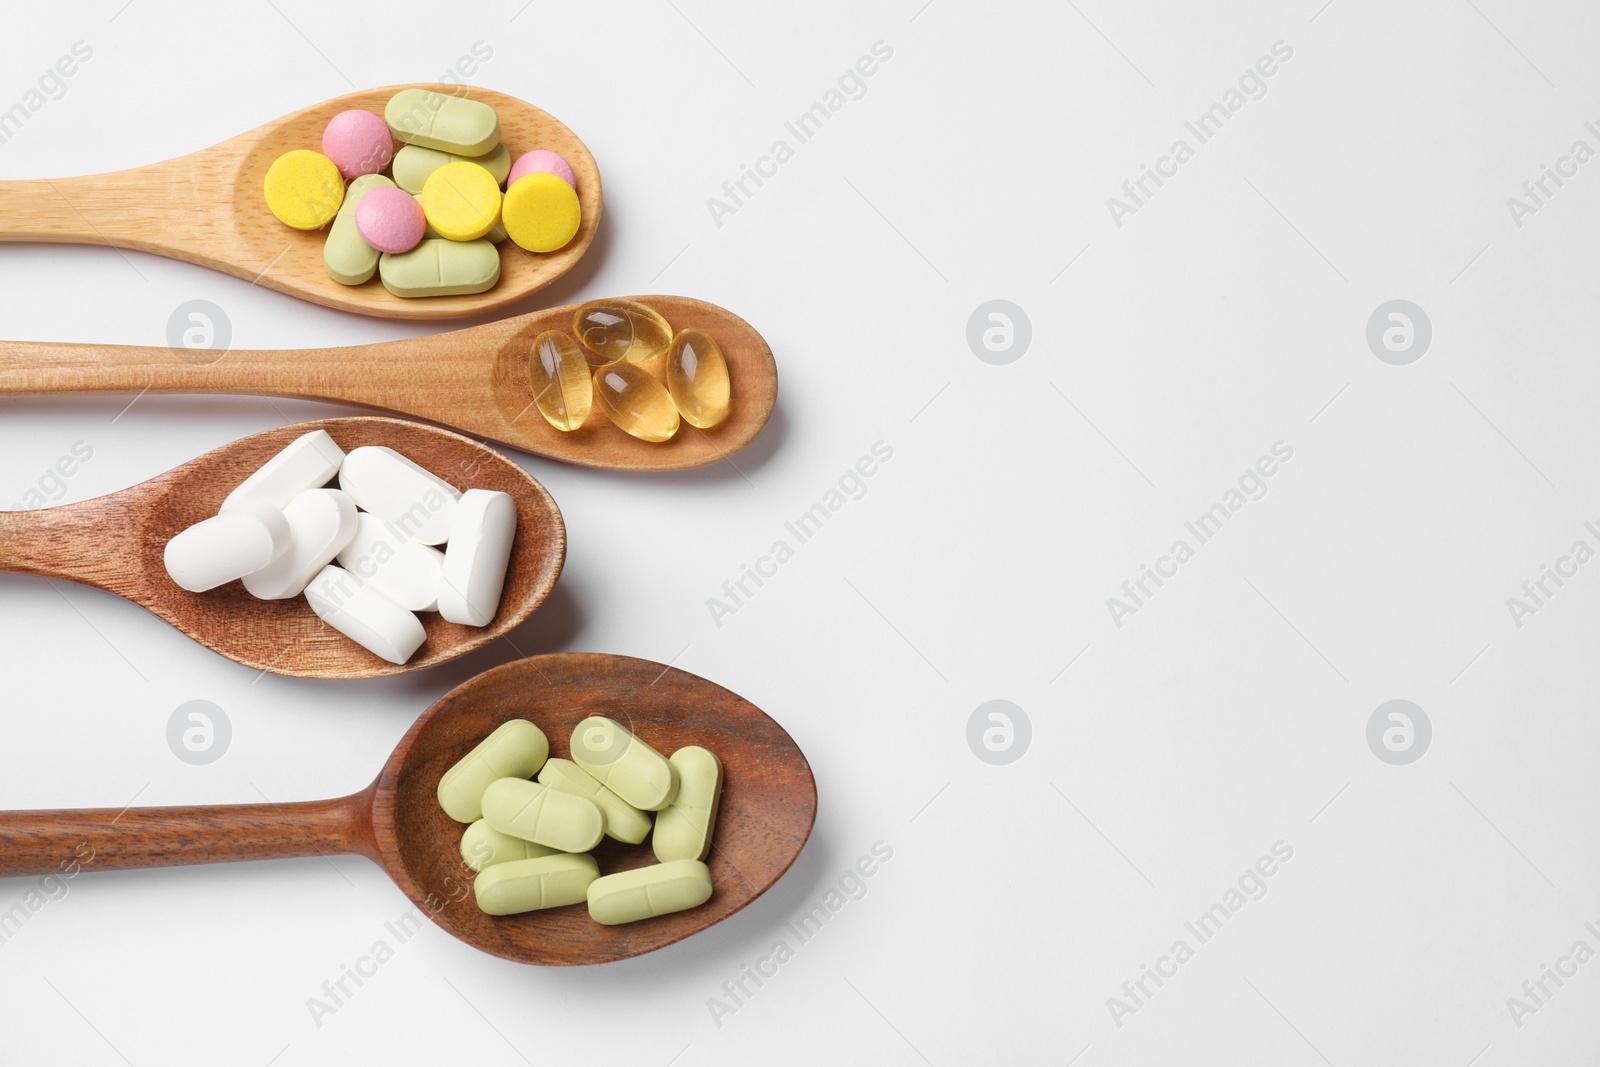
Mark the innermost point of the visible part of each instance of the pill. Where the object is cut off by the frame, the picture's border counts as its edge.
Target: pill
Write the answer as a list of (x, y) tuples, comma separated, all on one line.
[(358, 142), (697, 378), (542, 815), (321, 522), (448, 123), (364, 615), (496, 234), (390, 220), (646, 892), (413, 163), (621, 330), (406, 572), (308, 462), (346, 254), (227, 547), (621, 762), (441, 268), (303, 189), (516, 749), (529, 885), (683, 828), (541, 160), (461, 201), (633, 399), (475, 560), (541, 212), (420, 505), (483, 846), (624, 822), (559, 376)]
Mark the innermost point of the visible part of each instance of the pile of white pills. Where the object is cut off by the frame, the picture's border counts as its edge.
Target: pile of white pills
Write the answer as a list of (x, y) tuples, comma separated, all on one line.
[(391, 540)]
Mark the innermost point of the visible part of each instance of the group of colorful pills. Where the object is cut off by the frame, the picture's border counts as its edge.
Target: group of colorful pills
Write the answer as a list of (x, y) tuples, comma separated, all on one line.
[(533, 820), (432, 224), (366, 554), (628, 361)]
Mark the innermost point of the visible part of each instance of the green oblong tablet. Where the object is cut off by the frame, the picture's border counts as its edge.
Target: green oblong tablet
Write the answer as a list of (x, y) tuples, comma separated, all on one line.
[(645, 892), (621, 762), (624, 822), (448, 123), (531, 885), (516, 749), (413, 163), (346, 254), (542, 815), (683, 828), (482, 846), (437, 267)]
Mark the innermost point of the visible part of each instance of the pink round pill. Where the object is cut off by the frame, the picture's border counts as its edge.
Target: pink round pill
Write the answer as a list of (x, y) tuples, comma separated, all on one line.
[(538, 161), (390, 220), (358, 142)]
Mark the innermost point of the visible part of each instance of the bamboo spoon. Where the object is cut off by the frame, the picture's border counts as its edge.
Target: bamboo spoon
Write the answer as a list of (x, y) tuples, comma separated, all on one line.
[(769, 802), (474, 380), (207, 208), (116, 543)]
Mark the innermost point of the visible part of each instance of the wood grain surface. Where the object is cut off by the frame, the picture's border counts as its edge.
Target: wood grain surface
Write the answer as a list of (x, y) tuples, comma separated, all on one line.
[(207, 208), (116, 542), (474, 380), (769, 804)]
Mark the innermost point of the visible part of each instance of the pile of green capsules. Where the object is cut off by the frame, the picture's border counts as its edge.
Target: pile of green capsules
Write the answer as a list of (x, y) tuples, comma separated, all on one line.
[(529, 839)]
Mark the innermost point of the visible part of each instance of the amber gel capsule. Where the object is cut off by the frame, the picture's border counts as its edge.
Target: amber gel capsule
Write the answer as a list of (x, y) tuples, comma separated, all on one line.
[(697, 378), (621, 330), (559, 375), (632, 398)]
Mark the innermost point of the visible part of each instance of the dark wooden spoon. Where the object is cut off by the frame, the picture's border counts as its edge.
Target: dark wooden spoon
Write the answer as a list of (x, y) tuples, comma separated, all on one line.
[(116, 542), (769, 803)]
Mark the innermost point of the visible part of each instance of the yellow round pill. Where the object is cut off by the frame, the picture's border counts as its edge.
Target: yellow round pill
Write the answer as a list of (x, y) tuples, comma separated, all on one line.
[(304, 189), (541, 212), (461, 201)]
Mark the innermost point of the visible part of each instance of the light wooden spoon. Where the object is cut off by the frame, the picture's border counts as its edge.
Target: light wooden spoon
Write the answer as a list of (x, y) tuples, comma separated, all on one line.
[(207, 208), (769, 802), (116, 543), (475, 380)]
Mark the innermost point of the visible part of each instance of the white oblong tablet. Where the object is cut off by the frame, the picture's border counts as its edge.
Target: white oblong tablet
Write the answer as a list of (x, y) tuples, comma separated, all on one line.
[(475, 560), (321, 523), (420, 505), (407, 573), (309, 462), (226, 547), (364, 615)]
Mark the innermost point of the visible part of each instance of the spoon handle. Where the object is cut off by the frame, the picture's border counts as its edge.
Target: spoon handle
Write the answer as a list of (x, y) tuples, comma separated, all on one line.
[(98, 209), (443, 377), (51, 541), (62, 842)]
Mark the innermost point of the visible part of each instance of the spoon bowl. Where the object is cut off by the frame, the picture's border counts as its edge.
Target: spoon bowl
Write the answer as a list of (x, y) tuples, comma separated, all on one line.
[(116, 543), (207, 208), (769, 804), (474, 380)]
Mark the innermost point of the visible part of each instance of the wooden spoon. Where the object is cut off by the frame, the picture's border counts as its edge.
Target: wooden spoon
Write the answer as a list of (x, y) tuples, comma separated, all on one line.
[(769, 802), (116, 542), (475, 380), (207, 208)]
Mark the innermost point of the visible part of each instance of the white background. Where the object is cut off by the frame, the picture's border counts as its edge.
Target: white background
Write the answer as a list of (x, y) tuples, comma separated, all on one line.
[(1168, 353)]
